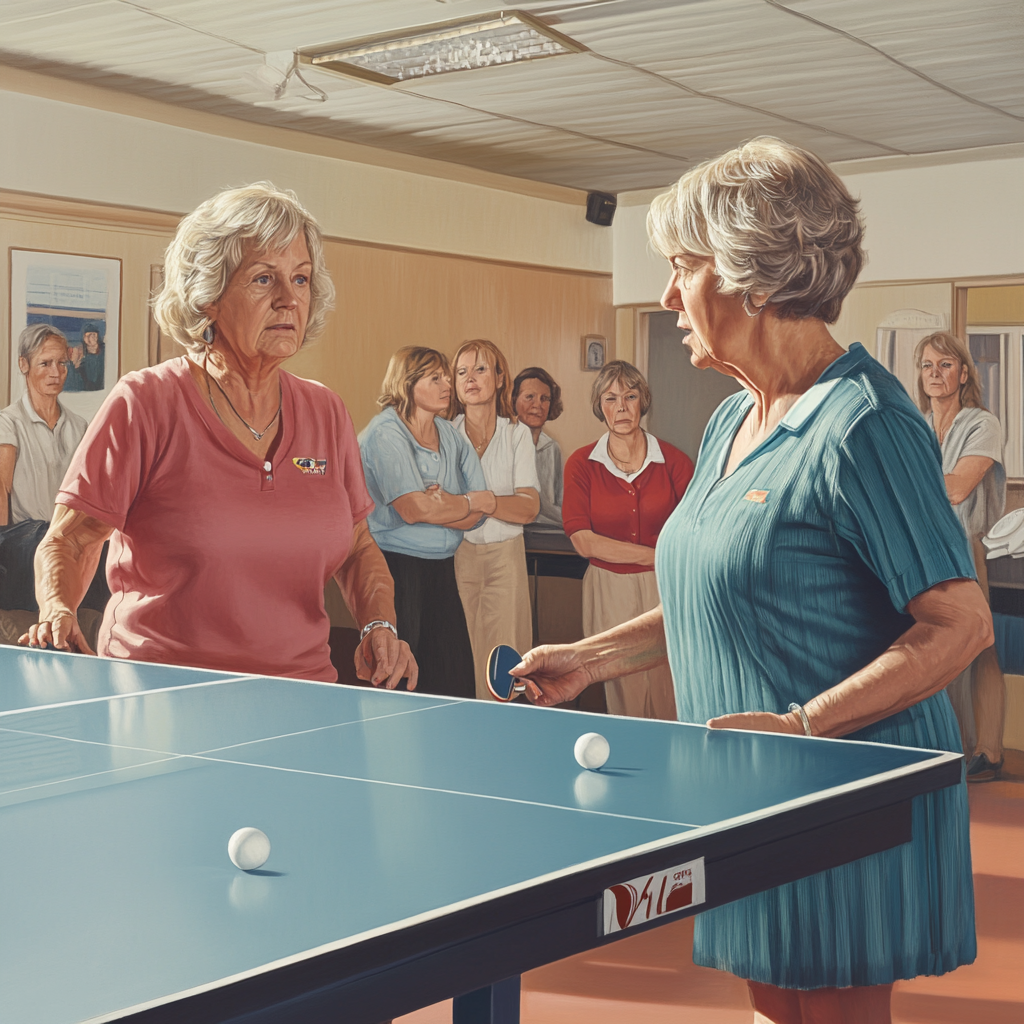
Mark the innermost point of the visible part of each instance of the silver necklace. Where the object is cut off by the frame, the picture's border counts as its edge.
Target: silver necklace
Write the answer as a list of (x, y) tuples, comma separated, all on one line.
[(257, 435)]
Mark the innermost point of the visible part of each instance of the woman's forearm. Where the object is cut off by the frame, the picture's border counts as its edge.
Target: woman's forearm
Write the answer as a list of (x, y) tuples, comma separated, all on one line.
[(636, 646), (66, 561), (441, 508), (365, 581), (953, 626), (521, 507), (620, 552)]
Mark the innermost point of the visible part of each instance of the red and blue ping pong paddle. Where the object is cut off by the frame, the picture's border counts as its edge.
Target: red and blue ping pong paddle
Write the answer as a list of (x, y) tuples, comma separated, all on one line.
[(503, 686)]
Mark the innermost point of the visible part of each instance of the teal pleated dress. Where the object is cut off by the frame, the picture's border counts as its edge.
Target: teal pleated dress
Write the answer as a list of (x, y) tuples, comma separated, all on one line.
[(778, 582)]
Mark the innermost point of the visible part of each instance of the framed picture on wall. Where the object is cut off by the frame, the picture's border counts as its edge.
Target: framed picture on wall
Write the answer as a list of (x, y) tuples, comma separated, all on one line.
[(81, 297), (592, 354)]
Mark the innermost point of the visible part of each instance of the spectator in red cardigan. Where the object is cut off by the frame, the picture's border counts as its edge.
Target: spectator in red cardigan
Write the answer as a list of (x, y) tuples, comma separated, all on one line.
[(618, 493)]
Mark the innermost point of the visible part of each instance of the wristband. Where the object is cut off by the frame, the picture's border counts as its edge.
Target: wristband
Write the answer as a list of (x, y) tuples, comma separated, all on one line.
[(376, 624), (803, 718), (469, 502)]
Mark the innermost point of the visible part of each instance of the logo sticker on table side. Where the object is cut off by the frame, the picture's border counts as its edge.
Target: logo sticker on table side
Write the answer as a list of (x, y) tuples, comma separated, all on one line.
[(313, 467), (649, 897)]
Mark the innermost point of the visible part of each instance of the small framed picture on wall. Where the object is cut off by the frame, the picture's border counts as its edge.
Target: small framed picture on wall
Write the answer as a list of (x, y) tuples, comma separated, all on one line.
[(80, 296), (592, 354)]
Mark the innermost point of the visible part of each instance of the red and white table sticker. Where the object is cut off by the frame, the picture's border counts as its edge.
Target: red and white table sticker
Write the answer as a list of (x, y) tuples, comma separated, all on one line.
[(649, 897)]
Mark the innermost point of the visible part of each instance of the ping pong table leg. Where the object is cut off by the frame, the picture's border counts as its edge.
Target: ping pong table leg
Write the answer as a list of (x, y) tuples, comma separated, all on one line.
[(495, 1004)]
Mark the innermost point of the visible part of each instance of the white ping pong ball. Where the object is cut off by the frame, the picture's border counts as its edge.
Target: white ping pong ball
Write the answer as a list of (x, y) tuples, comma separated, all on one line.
[(249, 849), (591, 750)]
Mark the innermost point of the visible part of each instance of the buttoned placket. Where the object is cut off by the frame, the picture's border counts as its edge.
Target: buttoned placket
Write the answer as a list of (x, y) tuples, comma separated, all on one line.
[(267, 476)]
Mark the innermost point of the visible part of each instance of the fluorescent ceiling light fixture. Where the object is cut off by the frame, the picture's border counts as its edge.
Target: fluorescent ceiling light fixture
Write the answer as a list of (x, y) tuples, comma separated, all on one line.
[(506, 37)]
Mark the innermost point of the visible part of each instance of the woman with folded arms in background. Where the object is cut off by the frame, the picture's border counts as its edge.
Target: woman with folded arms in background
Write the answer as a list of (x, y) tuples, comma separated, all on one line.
[(536, 400), (428, 488), (971, 439), (490, 564), (231, 490), (618, 493)]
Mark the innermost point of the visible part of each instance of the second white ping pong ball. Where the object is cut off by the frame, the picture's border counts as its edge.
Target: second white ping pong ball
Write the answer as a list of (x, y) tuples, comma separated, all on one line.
[(249, 849), (591, 750)]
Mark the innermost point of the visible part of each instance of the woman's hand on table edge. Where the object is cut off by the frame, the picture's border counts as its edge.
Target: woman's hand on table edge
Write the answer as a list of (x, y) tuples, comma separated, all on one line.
[(759, 721), (553, 674), (381, 658), (59, 630)]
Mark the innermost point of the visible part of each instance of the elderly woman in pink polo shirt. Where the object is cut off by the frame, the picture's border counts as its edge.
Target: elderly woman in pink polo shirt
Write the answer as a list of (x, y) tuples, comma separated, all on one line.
[(618, 493), (231, 491)]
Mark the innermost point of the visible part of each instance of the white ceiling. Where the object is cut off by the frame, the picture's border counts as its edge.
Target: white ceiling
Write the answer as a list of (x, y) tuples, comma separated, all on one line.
[(662, 85)]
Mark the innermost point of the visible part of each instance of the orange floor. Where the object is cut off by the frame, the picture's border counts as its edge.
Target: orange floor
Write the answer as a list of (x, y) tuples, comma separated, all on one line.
[(650, 979)]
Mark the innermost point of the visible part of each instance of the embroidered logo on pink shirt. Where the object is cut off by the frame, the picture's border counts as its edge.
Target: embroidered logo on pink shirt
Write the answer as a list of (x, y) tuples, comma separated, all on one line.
[(759, 496), (311, 467)]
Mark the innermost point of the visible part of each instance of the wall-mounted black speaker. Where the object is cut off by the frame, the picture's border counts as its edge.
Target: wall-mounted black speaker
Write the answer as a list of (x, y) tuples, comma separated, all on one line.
[(600, 208)]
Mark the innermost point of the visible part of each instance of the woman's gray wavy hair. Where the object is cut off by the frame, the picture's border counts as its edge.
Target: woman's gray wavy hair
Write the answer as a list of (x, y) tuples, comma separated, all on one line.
[(211, 244), (775, 219)]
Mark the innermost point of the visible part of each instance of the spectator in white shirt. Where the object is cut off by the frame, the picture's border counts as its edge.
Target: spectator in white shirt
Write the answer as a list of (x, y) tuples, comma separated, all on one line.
[(971, 440), (490, 564), (38, 436)]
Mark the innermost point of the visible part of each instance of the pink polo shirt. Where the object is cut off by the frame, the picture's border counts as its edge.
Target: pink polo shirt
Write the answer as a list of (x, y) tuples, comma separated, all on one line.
[(219, 559)]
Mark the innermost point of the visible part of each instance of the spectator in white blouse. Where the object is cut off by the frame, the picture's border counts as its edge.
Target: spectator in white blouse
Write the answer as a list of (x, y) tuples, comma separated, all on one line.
[(971, 439), (537, 399), (490, 564)]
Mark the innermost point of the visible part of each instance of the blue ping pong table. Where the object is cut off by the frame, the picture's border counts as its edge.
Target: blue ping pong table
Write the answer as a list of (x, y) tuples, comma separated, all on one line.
[(422, 847)]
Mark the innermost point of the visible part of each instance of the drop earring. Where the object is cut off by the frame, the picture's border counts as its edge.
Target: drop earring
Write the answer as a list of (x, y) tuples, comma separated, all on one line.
[(208, 335)]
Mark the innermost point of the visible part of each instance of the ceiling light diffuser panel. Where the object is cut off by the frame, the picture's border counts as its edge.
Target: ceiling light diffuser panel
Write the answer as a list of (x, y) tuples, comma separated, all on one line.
[(506, 37)]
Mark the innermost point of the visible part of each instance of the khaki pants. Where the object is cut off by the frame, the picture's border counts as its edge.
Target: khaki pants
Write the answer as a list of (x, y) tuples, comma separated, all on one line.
[(610, 599), (978, 694), (495, 595)]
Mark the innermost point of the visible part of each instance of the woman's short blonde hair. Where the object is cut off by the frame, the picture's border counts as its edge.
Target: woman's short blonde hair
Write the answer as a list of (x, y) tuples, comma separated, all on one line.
[(498, 362), (618, 371), (775, 219), (947, 344), (407, 366), (210, 245)]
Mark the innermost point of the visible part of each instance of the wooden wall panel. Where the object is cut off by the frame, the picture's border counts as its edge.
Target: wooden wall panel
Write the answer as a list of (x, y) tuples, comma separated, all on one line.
[(389, 298)]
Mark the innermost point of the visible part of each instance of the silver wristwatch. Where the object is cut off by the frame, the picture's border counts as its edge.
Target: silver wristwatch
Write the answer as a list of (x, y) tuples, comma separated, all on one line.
[(377, 623)]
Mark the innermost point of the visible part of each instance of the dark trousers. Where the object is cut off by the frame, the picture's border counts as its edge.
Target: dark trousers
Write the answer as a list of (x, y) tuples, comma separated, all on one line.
[(431, 621), (18, 545)]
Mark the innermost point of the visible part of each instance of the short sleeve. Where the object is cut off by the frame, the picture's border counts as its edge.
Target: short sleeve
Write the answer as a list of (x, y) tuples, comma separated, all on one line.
[(984, 438), (576, 494), (106, 472), (8, 431), (891, 505), (388, 458), (524, 459)]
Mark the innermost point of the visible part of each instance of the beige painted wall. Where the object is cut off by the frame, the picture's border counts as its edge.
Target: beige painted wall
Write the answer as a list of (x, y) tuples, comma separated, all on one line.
[(158, 157), (387, 299), (867, 305), (955, 219)]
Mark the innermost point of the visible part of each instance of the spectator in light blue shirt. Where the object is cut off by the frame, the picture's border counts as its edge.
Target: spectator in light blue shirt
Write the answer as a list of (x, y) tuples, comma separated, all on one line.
[(428, 488)]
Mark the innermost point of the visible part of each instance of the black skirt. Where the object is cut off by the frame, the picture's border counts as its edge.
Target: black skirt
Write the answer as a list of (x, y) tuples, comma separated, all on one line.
[(431, 621)]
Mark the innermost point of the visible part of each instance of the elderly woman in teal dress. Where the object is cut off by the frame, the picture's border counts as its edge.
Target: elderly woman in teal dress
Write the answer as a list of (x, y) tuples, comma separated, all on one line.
[(813, 579)]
